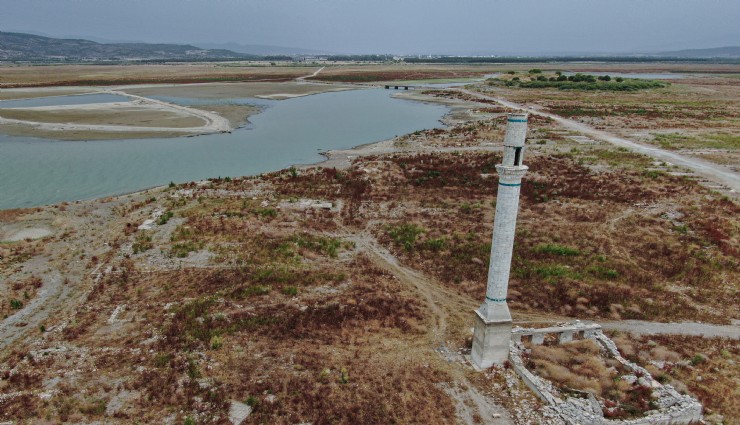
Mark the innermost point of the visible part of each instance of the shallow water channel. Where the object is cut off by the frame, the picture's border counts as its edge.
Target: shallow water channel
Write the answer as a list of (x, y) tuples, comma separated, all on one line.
[(294, 131)]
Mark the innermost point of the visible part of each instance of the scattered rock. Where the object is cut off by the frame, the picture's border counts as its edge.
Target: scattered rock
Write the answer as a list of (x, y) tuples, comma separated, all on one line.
[(238, 412)]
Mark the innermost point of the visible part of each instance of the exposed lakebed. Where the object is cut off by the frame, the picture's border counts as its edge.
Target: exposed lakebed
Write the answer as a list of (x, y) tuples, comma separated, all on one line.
[(294, 131)]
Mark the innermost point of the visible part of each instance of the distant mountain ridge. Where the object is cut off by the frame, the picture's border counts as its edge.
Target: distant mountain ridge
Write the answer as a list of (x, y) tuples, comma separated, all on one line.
[(260, 49), (715, 52), (22, 46)]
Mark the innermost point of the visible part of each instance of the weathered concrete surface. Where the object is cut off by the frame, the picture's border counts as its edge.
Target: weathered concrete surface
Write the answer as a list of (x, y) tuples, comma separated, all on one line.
[(490, 342), (492, 330)]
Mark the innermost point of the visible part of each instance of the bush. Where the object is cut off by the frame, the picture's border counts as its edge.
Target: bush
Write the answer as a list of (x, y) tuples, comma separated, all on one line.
[(405, 234), (164, 218), (436, 245), (16, 304), (554, 249), (266, 212), (324, 245), (96, 407), (697, 359), (143, 243), (290, 291), (580, 82), (256, 290), (182, 250), (603, 272)]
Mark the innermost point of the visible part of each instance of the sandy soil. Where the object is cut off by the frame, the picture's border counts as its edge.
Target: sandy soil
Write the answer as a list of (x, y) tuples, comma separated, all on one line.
[(275, 91), (118, 114), (19, 232), (27, 93), (138, 118), (238, 115), (22, 130)]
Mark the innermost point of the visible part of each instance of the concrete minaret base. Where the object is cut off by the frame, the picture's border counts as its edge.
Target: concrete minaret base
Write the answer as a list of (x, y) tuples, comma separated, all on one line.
[(490, 341), (492, 331)]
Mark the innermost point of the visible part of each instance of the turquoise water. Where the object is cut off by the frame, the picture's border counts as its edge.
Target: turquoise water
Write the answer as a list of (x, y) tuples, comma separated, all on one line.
[(81, 99), (37, 172)]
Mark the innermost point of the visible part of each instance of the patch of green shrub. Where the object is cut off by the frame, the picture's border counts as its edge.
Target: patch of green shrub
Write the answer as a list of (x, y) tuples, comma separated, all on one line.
[(164, 218), (142, 243), (290, 291), (255, 290), (554, 249), (603, 272), (405, 234)]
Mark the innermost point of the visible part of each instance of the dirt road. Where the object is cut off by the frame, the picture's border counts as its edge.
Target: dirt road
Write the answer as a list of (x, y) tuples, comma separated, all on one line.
[(710, 171), (706, 330), (443, 303), (303, 79)]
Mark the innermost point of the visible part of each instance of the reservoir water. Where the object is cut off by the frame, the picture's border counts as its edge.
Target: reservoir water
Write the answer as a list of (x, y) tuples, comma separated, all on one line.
[(294, 131)]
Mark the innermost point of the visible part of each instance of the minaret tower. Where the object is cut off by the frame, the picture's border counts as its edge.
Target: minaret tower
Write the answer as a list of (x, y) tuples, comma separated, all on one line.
[(492, 319)]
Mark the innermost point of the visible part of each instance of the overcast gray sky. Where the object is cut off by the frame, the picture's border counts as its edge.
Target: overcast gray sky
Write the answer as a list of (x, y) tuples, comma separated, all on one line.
[(393, 26)]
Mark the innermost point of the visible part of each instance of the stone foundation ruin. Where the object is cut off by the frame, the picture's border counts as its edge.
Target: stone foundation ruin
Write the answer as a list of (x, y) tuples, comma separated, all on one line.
[(672, 407)]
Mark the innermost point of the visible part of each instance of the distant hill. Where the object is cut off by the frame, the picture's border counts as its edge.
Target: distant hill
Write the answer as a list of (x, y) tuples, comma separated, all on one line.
[(259, 49), (716, 52), (21, 46)]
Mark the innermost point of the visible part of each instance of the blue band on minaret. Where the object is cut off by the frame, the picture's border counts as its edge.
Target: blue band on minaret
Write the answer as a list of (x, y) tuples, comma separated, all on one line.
[(510, 184), (516, 120), (496, 300)]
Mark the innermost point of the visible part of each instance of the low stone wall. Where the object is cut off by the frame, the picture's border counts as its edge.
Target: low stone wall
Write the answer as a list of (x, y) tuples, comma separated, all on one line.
[(674, 408)]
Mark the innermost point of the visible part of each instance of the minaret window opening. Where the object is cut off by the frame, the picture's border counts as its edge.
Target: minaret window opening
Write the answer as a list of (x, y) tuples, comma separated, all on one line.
[(517, 156)]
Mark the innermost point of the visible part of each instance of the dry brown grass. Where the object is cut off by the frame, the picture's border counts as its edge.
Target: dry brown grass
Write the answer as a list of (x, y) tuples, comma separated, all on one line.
[(704, 367), (17, 294), (69, 75), (297, 323), (580, 366), (593, 213)]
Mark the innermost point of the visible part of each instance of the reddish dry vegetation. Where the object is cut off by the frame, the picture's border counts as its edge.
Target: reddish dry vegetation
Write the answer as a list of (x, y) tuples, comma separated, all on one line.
[(91, 75), (705, 367), (295, 322), (18, 293), (592, 243)]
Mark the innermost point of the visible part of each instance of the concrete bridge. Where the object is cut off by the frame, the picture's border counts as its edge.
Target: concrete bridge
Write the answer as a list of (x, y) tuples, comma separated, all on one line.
[(398, 87)]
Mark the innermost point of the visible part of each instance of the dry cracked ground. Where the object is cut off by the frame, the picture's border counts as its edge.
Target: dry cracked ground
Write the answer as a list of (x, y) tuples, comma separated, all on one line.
[(324, 295)]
